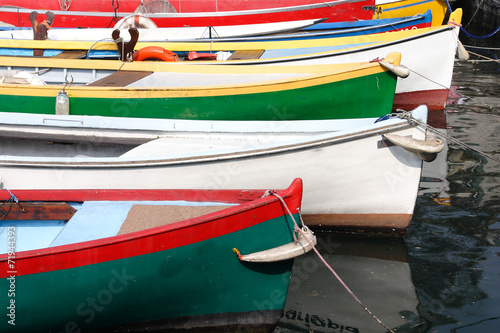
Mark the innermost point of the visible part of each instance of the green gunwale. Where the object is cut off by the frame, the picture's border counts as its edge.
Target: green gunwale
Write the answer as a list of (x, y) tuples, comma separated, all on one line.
[(198, 279), (361, 97)]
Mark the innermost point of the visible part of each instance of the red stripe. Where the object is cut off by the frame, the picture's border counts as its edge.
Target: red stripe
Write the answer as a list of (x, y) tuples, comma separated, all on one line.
[(338, 13), (225, 196)]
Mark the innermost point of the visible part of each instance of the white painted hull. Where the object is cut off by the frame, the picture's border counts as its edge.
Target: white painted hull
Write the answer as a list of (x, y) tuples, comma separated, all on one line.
[(164, 34), (430, 58), (349, 181)]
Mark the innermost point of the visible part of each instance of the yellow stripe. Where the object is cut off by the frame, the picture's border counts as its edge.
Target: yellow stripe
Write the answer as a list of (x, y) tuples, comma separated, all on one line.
[(194, 91), (187, 67)]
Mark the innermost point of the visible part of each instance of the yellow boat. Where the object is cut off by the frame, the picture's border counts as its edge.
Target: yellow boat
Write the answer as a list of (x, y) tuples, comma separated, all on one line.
[(400, 8)]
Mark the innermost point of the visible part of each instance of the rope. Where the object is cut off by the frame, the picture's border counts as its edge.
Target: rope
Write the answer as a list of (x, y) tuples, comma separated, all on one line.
[(329, 267), (482, 56), (425, 77), (408, 116), (10, 201), (466, 32)]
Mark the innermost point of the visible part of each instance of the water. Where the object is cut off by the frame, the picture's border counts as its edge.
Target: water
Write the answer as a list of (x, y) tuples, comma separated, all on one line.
[(444, 274)]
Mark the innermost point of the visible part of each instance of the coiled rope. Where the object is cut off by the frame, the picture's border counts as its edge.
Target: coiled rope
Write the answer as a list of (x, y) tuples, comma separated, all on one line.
[(412, 120), (328, 266)]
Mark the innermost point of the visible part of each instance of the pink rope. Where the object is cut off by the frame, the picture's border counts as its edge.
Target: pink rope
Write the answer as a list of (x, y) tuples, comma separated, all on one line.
[(329, 267)]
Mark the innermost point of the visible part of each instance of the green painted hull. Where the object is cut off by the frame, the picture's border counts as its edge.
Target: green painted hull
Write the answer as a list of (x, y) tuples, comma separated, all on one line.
[(361, 97), (203, 279)]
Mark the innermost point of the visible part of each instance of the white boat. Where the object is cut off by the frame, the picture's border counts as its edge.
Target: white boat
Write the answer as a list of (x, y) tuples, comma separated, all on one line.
[(353, 178), (163, 34)]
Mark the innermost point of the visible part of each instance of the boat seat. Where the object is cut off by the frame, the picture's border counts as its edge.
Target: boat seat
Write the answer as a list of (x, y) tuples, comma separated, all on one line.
[(246, 54), (71, 54), (120, 79), (141, 217)]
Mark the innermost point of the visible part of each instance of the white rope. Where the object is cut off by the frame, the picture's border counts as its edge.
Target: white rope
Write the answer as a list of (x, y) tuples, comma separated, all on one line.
[(407, 115)]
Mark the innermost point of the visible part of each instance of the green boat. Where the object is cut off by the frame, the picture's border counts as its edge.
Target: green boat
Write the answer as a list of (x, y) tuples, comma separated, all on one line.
[(201, 92), (136, 260)]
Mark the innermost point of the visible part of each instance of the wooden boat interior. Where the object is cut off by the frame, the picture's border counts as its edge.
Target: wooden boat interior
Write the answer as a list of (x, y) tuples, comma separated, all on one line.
[(49, 224)]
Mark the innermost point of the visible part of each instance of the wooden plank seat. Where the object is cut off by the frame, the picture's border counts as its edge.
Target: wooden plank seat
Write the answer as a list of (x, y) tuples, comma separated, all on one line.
[(37, 211), (71, 54), (246, 54), (120, 79)]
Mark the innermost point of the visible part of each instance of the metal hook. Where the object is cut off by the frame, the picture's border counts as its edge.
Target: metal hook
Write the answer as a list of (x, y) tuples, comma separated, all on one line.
[(67, 82)]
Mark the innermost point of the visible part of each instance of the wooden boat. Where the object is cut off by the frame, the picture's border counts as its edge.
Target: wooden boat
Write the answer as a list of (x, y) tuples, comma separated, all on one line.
[(130, 259), (428, 52), (215, 13), (355, 180), (178, 33), (304, 29), (397, 8), (79, 13), (163, 91)]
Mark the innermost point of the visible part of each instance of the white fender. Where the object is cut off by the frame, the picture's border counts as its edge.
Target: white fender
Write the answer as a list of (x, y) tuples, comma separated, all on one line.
[(283, 252), (401, 71), (424, 149)]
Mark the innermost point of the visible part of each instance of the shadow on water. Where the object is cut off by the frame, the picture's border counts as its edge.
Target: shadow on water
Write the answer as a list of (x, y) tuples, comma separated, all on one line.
[(444, 274), (377, 270)]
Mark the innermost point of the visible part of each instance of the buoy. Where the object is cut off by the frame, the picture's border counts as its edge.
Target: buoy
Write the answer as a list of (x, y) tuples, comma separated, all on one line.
[(401, 71), (62, 103), (155, 53), (62, 99)]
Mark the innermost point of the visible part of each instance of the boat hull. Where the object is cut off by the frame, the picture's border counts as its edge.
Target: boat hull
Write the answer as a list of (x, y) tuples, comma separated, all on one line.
[(355, 182), (328, 96), (340, 10), (429, 53), (179, 277)]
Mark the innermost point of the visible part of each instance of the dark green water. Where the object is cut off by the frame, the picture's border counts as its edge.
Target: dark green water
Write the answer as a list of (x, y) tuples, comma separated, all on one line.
[(444, 274)]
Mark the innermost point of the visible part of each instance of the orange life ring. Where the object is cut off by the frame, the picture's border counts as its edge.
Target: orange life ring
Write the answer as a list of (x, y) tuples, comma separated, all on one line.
[(154, 53)]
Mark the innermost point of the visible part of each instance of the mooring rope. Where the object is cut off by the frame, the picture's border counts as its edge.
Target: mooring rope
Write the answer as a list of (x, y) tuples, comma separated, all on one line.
[(482, 56), (329, 267), (408, 116), (469, 34)]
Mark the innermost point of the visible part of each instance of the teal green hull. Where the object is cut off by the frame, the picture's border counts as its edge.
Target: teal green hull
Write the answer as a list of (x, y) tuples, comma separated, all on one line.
[(201, 279)]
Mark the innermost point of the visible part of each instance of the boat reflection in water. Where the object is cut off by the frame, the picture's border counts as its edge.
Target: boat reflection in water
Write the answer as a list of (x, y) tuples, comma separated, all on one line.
[(377, 270)]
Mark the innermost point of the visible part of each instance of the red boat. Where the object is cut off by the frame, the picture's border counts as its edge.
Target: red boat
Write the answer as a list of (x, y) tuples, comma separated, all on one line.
[(179, 13)]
